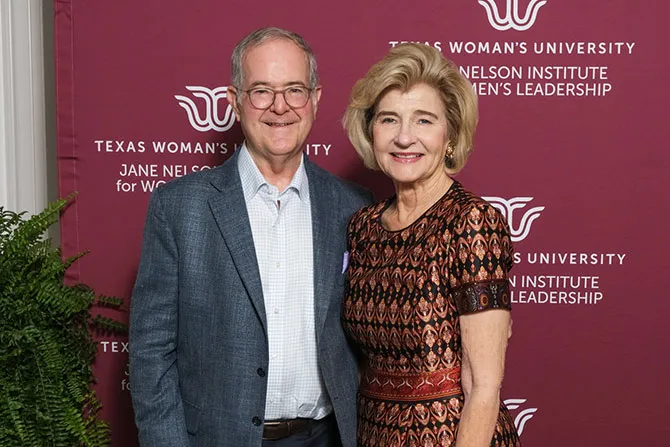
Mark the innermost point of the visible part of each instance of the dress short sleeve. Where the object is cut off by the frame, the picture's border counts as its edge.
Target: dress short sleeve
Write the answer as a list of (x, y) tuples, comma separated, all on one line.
[(480, 258)]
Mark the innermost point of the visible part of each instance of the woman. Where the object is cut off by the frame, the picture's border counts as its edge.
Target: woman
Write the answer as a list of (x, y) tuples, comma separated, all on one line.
[(427, 297)]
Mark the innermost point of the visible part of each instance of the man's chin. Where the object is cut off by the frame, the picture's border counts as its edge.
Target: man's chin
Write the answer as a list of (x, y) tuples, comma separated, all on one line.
[(283, 150), (285, 147)]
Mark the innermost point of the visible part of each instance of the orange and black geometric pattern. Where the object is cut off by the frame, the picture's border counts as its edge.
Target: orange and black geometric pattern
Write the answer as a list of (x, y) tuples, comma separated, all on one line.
[(405, 291)]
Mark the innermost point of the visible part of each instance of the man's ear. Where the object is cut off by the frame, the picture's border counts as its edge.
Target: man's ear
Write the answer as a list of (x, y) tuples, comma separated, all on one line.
[(316, 97), (231, 96)]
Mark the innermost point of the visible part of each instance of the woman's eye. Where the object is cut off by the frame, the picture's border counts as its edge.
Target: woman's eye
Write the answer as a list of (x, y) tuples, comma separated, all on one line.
[(424, 121), (387, 120)]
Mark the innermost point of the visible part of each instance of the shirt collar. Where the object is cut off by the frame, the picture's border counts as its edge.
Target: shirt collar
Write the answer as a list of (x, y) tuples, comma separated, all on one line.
[(253, 180)]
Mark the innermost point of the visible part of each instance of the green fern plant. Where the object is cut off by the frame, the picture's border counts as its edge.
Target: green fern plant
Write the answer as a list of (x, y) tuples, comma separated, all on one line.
[(46, 347)]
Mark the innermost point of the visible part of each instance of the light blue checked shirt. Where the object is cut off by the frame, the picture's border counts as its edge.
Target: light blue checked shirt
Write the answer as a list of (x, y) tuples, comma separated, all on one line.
[(281, 225)]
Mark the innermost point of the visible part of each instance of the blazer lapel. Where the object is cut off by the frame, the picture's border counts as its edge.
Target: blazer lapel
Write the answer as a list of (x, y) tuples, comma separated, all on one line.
[(230, 212), (327, 259)]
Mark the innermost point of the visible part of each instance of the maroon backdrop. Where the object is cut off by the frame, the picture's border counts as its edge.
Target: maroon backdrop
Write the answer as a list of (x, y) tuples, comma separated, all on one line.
[(571, 145)]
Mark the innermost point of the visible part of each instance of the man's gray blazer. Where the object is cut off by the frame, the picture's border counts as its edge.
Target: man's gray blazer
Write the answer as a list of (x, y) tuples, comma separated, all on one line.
[(198, 340)]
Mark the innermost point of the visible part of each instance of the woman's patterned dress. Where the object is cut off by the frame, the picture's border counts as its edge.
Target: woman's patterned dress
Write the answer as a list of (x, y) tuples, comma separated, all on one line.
[(405, 290)]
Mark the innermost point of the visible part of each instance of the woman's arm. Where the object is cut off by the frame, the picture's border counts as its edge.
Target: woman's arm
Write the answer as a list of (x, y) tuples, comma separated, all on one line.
[(484, 339)]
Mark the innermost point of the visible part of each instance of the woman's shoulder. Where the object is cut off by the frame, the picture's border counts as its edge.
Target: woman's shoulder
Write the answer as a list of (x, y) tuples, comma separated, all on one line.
[(367, 213), (475, 215), (468, 203), (472, 213)]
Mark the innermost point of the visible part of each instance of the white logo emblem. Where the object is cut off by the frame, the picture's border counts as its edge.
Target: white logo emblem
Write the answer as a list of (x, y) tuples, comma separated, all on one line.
[(523, 416), (512, 18), (507, 207), (211, 121)]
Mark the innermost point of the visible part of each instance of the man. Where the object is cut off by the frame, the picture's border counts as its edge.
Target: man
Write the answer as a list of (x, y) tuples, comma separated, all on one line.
[(235, 336)]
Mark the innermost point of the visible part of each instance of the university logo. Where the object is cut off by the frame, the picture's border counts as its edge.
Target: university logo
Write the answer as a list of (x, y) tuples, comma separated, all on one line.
[(507, 208), (211, 119), (523, 416), (511, 18)]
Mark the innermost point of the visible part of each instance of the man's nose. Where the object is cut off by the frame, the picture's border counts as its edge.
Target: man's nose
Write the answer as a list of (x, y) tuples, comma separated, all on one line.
[(279, 105)]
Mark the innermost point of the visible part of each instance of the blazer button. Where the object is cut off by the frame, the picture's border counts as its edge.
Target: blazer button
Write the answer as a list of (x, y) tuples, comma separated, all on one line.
[(261, 372), (256, 421)]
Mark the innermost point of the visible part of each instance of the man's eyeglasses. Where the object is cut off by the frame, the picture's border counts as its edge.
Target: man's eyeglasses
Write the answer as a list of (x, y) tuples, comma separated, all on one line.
[(294, 96)]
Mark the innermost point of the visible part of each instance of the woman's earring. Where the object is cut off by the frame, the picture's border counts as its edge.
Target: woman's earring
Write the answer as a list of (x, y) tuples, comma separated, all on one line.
[(449, 156), (449, 161)]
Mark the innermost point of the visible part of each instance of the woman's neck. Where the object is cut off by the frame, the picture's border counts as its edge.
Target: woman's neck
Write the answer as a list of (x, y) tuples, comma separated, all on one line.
[(412, 200)]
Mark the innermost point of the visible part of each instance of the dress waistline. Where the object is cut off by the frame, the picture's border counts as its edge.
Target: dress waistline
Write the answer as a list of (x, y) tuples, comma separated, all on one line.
[(378, 384)]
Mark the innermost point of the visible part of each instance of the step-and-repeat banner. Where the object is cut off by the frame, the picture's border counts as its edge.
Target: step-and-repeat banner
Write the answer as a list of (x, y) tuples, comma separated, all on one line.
[(572, 147)]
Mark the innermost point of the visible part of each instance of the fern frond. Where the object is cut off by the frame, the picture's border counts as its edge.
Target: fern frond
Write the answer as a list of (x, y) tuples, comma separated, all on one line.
[(46, 348), (107, 324)]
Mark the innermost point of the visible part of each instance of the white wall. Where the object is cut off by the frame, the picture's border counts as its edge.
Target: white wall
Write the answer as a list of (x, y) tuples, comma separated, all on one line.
[(27, 110)]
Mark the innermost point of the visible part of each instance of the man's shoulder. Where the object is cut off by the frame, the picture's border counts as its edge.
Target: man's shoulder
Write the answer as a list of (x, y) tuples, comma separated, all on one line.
[(202, 181), (337, 185)]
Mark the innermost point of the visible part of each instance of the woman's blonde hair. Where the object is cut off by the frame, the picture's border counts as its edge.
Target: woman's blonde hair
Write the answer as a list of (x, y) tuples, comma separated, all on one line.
[(403, 67)]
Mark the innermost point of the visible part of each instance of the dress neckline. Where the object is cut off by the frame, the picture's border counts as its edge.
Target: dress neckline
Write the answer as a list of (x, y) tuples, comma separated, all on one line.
[(389, 201)]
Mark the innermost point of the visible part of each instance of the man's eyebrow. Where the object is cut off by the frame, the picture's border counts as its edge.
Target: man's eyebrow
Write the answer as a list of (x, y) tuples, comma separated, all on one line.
[(268, 84)]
